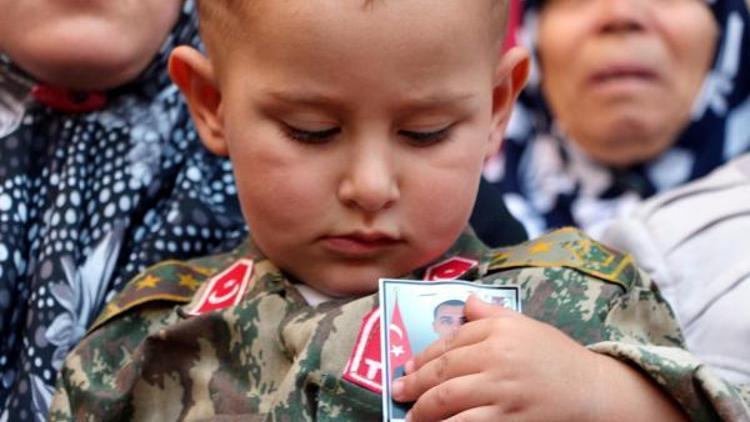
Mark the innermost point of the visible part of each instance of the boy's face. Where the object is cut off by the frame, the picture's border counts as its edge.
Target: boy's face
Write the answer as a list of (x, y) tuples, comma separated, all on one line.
[(357, 133)]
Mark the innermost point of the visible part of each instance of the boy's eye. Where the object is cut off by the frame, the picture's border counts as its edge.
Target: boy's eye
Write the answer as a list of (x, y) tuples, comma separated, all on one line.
[(311, 136), (426, 138)]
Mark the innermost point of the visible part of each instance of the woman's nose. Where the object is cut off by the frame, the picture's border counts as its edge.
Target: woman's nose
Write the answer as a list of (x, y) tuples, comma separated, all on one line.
[(622, 15)]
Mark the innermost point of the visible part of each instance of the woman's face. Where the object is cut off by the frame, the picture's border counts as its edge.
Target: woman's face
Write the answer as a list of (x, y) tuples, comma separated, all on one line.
[(91, 44), (621, 76)]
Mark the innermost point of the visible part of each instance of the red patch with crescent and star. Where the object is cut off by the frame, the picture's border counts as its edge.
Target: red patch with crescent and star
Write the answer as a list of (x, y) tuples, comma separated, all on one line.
[(224, 289), (364, 367), (450, 269)]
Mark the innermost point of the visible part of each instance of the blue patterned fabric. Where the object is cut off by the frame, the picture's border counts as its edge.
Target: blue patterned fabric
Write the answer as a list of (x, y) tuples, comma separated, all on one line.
[(548, 182), (86, 202)]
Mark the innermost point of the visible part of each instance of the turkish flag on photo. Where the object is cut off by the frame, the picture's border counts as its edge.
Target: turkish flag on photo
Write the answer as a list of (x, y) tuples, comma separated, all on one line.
[(398, 340)]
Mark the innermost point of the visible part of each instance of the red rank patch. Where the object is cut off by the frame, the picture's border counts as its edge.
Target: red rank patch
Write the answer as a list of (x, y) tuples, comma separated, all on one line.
[(225, 289), (364, 367), (450, 269)]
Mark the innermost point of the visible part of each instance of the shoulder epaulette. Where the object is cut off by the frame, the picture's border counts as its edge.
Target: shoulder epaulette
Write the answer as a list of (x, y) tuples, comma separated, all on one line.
[(169, 281), (569, 248)]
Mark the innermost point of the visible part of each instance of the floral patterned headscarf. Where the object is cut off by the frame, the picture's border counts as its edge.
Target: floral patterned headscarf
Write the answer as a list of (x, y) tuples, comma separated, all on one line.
[(88, 200), (549, 183)]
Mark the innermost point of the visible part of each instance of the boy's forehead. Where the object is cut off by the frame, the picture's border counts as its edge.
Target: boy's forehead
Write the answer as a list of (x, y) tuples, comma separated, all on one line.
[(213, 7), (252, 19)]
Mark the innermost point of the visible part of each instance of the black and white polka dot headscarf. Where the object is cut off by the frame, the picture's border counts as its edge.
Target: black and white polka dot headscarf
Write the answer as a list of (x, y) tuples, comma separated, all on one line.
[(87, 201)]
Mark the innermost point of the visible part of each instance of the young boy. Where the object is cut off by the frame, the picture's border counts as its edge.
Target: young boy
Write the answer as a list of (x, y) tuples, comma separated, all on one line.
[(358, 132)]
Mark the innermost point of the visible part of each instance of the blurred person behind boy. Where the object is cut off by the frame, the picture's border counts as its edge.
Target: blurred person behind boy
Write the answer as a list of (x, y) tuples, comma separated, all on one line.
[(692, 241), (101, 175), (628, 98)]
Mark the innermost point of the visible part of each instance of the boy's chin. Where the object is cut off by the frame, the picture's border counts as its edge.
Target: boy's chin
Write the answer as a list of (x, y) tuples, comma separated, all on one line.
[(349, 279), (345, 286), (348, 291)]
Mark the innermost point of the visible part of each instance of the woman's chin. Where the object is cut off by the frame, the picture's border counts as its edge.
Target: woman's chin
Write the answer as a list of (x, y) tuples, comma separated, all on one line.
[(627, 151), (627, 140), (83, 69), (96, 55)]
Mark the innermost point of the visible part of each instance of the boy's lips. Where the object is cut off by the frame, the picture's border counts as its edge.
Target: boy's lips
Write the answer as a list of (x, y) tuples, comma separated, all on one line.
[(359, 244)]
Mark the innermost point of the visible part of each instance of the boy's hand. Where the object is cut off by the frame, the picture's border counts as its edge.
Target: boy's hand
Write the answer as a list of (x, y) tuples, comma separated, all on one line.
[(502, 364)]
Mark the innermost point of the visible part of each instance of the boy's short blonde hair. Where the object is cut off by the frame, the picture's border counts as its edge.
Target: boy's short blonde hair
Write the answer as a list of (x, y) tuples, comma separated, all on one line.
[(223, 19)]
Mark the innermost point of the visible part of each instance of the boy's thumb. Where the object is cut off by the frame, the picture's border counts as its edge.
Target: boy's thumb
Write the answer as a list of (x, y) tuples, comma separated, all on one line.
[(476, 309)]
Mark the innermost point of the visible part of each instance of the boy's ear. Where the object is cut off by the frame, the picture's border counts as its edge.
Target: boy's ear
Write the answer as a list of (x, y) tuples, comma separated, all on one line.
[(191, 71), (511, 75)]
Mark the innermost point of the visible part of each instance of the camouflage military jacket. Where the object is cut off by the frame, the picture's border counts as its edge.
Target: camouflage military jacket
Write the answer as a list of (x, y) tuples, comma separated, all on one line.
[(175, 346)]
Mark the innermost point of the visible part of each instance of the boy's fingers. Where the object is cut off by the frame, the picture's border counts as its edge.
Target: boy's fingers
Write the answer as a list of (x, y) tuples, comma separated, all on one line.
[(479, 327), (448, 366), (470, 333), (452, 397), (476, 309), (484, 413), (449, 357)]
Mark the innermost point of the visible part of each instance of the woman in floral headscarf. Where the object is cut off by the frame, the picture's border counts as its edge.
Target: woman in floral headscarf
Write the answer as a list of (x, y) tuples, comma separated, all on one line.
[(94, 185), (630, 98)]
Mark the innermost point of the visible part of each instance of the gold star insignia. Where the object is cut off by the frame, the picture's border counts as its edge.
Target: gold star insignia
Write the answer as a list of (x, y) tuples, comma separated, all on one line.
[(540, 247), (147, 282), (189, 281), (499, 259), (204, 270)]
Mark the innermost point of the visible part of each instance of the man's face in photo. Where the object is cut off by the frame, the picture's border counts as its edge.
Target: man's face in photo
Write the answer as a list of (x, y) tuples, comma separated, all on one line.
[(447, 319)]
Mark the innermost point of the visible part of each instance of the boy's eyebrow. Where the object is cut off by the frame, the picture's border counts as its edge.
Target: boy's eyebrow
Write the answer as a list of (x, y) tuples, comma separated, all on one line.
[(303, 99), (431, 101)]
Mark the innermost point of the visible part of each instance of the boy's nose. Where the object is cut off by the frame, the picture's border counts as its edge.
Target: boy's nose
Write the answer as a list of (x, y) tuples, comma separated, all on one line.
[(369, 183)]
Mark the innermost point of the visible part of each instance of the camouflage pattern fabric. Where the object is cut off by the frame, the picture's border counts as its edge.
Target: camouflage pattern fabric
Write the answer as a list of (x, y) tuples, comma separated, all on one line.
[(274, 357)]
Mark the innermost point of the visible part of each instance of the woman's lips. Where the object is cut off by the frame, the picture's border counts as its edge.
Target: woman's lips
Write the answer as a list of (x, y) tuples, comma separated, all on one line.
[(359, 245), (623, 76)]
